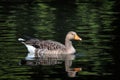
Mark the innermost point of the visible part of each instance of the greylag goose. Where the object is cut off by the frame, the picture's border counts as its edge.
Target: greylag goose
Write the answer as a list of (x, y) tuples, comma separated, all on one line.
[(38, 48)]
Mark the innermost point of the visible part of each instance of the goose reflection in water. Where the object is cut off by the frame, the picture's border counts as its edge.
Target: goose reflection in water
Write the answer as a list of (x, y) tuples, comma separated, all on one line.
[(45, 49)]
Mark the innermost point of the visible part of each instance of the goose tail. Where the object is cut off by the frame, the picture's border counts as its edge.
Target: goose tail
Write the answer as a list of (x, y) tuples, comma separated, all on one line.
[(21, 39)]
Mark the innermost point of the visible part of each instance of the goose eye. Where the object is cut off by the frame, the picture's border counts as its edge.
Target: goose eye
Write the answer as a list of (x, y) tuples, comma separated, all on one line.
[(72, 33)]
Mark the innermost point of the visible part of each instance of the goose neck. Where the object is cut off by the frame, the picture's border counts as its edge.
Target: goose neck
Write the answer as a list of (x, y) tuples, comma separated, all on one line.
[(69, 47), (68, 43)]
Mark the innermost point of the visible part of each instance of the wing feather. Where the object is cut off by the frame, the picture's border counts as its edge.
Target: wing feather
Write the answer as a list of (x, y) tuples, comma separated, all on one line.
[(50, 45), (46, 44)]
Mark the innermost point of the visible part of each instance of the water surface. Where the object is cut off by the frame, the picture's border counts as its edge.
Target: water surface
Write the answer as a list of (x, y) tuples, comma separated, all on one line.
[(91, 20)]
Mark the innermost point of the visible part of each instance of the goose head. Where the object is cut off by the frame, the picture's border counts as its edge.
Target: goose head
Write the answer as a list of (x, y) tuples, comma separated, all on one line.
[(73, 36), (68, 43)]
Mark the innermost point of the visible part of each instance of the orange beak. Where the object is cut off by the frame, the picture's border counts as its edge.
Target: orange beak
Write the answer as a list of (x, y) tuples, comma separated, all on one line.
[(77, 37), (77, 69)]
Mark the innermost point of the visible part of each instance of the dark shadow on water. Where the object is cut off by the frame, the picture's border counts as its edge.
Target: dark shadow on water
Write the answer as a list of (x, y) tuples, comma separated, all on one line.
[(57, 71), (93, 21)]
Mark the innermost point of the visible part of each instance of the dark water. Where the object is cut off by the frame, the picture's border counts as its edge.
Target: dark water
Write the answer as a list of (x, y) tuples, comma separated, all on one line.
[(91, 20)]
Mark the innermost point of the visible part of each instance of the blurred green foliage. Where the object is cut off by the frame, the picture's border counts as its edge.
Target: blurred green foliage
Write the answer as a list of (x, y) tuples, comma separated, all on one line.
[(52, 19)]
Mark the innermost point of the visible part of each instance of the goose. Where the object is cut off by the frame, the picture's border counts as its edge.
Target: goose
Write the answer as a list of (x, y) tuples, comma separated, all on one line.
[(38, 48)]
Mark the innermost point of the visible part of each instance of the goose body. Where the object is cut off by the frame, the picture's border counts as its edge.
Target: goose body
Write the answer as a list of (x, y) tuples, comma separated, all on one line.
[(38, 48)]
